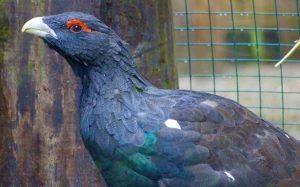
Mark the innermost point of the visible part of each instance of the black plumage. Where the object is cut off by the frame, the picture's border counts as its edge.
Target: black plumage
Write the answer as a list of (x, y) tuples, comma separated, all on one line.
[(140, 135)]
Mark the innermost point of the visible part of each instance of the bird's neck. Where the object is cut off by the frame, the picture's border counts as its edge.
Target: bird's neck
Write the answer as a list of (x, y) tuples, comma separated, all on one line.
[(106, 80), (106, 90)]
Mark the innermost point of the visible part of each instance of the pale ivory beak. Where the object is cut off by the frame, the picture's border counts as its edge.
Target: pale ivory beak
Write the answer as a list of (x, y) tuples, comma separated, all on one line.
[(289, 53), (36, 26)]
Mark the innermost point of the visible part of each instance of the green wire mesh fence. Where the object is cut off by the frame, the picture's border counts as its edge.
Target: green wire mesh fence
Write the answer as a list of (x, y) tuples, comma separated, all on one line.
[(230, 47)]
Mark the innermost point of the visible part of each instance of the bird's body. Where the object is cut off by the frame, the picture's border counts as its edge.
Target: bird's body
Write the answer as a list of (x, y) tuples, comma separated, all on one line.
[(140, 135)]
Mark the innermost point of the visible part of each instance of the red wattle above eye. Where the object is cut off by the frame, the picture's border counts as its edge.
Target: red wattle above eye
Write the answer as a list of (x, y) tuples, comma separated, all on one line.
[(83, 25)]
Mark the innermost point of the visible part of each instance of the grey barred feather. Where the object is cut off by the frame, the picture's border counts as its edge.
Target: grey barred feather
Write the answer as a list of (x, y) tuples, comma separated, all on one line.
[(130, 124)]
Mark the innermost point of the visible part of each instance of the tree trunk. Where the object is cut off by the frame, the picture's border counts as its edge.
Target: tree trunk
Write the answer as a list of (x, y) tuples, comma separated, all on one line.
[(40, 144)]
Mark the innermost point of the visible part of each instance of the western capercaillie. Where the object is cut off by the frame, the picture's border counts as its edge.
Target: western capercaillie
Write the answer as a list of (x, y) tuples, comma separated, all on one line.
[(140, 135)]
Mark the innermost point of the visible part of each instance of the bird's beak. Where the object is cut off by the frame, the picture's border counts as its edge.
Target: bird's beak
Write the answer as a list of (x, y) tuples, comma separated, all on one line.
[(36, 26)]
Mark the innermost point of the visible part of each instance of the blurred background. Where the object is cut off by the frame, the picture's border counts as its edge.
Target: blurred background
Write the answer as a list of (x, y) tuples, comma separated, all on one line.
[(229, 48), (225, 47)]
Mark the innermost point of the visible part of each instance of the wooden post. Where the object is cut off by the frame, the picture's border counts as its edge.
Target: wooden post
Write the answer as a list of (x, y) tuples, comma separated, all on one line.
[(40, 143)]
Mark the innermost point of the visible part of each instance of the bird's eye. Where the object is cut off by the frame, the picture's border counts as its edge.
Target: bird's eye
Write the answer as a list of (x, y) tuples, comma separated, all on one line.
[(76, 28)]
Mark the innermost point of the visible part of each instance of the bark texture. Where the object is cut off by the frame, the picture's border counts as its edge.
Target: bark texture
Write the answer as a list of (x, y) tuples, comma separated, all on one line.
[(40, 143)]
